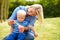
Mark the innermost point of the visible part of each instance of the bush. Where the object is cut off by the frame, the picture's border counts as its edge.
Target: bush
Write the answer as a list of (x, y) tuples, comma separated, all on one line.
[(51, 7)]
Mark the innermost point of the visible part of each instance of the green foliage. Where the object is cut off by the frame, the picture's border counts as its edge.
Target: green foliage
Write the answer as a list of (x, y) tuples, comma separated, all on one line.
[(51, 7)]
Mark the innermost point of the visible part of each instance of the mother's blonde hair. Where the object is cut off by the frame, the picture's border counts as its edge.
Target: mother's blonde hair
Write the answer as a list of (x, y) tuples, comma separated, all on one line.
[(39, 11)]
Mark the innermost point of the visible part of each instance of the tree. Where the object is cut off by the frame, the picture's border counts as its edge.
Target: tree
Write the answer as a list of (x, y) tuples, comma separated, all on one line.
[(4, 9)]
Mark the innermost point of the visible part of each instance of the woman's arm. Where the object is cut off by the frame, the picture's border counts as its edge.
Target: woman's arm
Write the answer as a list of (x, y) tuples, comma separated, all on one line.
[(31, 25), (32, 28), (11, 30), (32, 21), (14, 14)]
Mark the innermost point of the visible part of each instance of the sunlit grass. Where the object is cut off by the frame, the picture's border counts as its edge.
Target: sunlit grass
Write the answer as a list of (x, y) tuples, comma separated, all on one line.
[(50, 30)]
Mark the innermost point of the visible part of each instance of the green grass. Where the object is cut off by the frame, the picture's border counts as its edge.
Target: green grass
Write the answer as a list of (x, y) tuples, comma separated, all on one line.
[(50, 30)]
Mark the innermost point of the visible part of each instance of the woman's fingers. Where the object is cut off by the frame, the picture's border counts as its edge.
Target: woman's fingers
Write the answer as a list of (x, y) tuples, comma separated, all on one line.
[(26, 28), (35, 34), (11, 22)]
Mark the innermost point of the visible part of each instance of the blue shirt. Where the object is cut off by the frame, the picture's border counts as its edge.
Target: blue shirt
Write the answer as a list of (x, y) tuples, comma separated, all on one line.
[(15, 26), (30, 19)]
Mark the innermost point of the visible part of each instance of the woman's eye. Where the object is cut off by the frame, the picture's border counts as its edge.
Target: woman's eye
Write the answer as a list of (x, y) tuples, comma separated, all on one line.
[(30, 11)]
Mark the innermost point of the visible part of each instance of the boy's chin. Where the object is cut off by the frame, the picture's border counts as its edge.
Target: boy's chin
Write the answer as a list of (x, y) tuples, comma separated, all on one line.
[(20, 21)]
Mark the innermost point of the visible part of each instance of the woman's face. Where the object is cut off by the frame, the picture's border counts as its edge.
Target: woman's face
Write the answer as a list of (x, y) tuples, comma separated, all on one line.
[(31, 12)]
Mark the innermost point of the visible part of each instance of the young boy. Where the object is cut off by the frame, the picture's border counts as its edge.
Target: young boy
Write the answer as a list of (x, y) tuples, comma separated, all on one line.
[(18, 27)]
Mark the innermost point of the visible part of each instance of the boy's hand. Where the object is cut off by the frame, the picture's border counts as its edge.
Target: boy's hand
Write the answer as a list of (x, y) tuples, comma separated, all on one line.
[(21, 28), (11, 22), (35, 34)]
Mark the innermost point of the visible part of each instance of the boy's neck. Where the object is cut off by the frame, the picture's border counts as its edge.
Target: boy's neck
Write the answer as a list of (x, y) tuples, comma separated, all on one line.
[(19, 21)]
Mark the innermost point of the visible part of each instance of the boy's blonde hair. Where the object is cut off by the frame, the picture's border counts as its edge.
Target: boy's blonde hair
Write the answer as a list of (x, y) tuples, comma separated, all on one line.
[(21, 12), (39, 11)]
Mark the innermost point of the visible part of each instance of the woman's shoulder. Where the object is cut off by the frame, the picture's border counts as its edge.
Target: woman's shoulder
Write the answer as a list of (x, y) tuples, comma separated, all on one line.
[(19, 7), (34, 17), (22, 8)]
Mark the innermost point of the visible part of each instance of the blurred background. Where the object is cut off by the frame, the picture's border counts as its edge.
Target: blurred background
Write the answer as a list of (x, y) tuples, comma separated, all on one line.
[(50, 30), (51, 7)]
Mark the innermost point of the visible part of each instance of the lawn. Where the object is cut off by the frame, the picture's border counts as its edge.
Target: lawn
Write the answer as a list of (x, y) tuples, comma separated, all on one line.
[(50, 30)]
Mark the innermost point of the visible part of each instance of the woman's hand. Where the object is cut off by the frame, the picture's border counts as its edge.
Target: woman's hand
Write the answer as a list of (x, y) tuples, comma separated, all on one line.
[(11, 22), (26, 28), (35, 34), (21, 28)]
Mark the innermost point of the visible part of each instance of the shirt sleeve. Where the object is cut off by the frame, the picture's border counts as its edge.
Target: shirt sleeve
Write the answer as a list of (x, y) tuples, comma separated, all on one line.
[(32, 21)]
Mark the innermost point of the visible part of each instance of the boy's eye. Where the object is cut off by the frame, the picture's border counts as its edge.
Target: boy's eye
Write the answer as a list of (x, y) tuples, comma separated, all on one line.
[(22, 18), (18, 17)]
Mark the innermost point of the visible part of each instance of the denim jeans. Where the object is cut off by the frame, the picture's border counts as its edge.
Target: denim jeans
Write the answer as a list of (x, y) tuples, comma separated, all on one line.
[(16, 36), (29, 36)]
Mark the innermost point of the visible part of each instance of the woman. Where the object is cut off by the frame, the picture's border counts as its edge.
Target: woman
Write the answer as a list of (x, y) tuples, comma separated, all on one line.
[(33, 12)]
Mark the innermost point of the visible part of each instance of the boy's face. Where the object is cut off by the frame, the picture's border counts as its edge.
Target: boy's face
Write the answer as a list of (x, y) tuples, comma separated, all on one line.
[(20, 17)]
